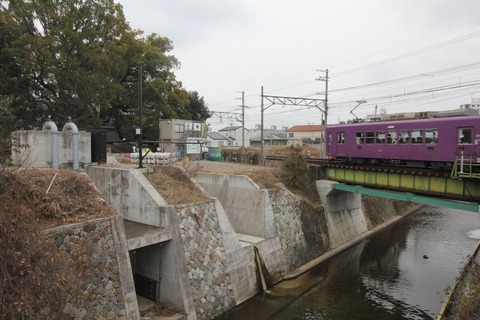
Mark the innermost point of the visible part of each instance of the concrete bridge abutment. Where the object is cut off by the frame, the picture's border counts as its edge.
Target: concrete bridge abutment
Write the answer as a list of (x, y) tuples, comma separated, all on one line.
[(343, 213)]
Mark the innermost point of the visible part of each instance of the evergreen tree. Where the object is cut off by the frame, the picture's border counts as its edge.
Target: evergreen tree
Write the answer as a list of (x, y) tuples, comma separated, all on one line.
[(79, 59)]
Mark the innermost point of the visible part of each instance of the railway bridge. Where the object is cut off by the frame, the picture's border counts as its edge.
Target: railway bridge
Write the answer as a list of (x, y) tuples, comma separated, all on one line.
[(458, 188)]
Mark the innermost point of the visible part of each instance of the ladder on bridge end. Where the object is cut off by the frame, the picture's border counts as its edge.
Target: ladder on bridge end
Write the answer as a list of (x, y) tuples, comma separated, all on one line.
[(465, 168)]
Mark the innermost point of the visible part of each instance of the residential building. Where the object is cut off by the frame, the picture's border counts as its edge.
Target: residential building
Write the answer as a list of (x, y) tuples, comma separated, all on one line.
[(308, 133), (274, 141), (216, 139), (182, 137), (234, 134), (475, 104), (257, 132)]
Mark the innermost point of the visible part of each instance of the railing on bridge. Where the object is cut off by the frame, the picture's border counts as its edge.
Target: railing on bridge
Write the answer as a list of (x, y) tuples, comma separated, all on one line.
[(465, 167)]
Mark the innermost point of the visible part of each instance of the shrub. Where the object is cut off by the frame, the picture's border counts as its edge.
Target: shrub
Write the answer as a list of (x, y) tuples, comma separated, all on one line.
[(295, 169)]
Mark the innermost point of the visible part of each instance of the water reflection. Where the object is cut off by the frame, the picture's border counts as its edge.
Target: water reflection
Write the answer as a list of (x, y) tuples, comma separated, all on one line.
[(385, 277)]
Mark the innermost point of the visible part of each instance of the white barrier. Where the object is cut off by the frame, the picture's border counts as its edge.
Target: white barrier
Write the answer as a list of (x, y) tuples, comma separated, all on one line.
[(154, 157)]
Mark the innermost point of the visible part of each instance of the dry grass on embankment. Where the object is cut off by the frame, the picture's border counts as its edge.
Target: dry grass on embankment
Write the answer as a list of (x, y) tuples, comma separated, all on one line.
[(33, 271), (175, 186)]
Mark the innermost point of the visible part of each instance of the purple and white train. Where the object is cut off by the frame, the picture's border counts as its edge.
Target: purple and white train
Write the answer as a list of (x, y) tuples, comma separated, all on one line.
[(433, 142)]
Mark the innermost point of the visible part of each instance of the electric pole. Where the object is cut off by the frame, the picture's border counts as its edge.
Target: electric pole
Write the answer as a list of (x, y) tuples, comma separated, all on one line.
[(325, 105), (262, 154), (140, 104), (243, 122), (325, 93)]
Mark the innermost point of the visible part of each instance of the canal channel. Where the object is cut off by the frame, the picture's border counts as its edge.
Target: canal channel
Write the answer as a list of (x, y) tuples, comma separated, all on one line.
[(402, 272)]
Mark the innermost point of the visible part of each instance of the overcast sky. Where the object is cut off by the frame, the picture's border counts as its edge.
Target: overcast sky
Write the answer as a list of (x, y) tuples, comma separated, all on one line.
[(400, 55)]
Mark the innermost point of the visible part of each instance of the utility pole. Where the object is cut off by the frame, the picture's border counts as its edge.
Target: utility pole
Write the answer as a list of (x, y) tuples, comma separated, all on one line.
[(139, 130), (262, 154), (325, 93), (243, 122), (325, 105)]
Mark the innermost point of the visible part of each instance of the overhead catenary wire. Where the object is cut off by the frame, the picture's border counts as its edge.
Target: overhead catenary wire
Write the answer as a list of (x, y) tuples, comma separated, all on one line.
[(307, 78), (410, 54), (423, 81)]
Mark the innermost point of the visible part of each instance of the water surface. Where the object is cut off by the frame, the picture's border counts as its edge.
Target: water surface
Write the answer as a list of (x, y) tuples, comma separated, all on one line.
[(403, 272)]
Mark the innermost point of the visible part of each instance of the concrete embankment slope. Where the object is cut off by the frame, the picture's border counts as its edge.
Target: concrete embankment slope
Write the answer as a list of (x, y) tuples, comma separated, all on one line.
[(208, 257), (289, 233), (250, 213)]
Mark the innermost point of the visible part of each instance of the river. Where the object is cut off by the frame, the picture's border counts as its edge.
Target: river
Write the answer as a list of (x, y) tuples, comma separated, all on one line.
[(402, 272)]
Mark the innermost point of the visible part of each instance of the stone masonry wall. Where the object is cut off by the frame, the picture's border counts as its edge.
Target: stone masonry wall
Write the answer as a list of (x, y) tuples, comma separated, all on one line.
[(287, 215), (206, 260), (92, 258)]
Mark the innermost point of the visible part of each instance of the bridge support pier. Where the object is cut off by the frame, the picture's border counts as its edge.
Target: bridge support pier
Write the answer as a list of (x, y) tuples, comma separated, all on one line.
[(343, 213)]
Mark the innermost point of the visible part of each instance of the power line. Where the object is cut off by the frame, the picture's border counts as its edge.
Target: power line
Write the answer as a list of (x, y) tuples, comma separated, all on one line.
[(411, 53), (409, 43), (414, 77)]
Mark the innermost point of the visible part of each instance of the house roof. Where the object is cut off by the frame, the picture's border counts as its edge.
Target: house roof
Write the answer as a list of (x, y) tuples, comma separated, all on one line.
[(230, 128), (216, 136), (306, 128)]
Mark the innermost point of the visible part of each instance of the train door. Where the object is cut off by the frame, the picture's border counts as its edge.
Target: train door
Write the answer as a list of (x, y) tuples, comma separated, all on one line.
[(331, 146), (465, 139)]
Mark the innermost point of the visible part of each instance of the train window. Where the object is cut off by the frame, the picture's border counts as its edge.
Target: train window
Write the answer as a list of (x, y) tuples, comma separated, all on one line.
[(417, 136), (341, 137), (360, 137), (380, 137), (369, 137), (391, 137), (431, 136), (330, 140), (465, 135), (403, 137)]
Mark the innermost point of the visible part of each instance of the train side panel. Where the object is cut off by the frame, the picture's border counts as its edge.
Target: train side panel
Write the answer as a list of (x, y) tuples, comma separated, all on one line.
[(429, 140)]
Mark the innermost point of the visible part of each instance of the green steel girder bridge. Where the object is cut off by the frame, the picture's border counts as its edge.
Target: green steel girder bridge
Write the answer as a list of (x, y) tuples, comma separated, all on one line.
[(458, 190)]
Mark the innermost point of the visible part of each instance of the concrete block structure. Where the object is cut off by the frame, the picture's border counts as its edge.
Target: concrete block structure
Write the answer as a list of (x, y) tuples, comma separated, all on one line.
[(49, 149), (152, 233), (190, 251)]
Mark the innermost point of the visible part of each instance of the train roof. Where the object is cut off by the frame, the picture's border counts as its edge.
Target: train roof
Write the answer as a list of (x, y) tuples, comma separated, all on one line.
[(412, 121)]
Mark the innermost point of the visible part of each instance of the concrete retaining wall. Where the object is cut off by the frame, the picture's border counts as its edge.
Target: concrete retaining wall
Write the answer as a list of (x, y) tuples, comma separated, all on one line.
[(286, 210), (246, 205), (131, 194), (206, 260), (203, 270), (100, 264), (250, 212)]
